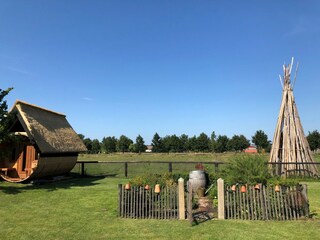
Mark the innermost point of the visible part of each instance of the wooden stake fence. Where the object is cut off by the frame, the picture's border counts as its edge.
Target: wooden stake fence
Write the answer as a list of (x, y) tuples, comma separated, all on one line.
[(266, 203), (137, 202)]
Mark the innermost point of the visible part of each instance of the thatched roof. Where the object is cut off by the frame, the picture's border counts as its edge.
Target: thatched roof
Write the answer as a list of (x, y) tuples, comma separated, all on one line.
[(50, 130)]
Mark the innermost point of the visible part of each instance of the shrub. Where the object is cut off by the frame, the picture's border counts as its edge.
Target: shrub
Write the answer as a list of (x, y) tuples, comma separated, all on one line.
[(166, 179), (249, 169)]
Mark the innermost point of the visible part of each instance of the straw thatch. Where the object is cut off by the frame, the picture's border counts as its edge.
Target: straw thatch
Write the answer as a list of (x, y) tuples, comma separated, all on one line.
[(49, 130), (290, 149)]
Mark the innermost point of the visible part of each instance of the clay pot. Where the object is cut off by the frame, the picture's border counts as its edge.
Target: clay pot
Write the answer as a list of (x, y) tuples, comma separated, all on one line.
[(276, 188), (157, 188), (147, 187), (243, 189), (127, 186), (233, 188), (200, 192), (257, 187)]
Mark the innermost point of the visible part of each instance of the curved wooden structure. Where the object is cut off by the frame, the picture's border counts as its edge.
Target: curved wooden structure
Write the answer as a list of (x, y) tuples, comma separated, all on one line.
[(45, 145)]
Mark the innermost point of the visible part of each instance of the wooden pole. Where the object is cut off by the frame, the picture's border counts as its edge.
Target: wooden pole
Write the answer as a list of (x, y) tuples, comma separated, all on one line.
[(182, 207), (220, 185), (126, 169), (190, 215)]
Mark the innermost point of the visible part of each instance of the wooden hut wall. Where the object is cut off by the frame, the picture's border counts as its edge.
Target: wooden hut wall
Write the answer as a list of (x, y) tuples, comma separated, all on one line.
[(54, 166)]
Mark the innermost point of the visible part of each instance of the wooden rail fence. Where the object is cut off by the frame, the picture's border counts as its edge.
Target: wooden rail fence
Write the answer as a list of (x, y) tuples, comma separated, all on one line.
[(137, 202), (126, 165), (266, 202)]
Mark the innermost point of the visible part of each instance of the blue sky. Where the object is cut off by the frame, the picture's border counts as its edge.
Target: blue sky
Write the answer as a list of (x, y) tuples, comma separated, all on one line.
[(172, 67)]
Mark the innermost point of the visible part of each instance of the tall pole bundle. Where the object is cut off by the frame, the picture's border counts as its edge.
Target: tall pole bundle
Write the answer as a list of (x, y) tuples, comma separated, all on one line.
[(290, 153)]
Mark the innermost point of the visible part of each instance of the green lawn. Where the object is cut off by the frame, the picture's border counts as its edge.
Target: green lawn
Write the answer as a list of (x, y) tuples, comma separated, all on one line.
[(86, 209)]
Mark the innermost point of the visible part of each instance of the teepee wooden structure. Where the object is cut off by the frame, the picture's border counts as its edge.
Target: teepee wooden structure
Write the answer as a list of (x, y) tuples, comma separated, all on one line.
[(290, 153)]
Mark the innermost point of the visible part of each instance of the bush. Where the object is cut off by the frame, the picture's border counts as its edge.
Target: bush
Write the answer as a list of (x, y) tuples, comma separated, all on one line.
[(247, 169), (167, 179)]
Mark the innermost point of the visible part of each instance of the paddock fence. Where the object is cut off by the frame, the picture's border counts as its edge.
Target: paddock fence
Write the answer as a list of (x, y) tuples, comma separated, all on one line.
[(135, 168)]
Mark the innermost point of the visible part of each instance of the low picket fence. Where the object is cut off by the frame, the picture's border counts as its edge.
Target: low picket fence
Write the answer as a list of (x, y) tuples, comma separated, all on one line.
[(141, 203), (234, 202), (266, 202)]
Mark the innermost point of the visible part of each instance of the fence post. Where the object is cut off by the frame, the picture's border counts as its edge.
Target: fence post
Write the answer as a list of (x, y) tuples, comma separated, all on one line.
[(170, 167), (220, 184), (82, 169), (189, 210), (182, 208), (216, 166), (120, 200), (126, 169)]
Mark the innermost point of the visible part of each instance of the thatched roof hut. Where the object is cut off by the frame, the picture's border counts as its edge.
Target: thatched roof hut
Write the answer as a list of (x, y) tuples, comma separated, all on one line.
[(47, 145)]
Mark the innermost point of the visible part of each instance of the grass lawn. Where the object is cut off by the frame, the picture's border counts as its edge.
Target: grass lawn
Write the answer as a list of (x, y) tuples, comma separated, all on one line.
[(86, 209)]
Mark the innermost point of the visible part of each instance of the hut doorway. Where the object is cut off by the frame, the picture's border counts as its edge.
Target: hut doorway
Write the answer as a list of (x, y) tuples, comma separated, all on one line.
[(21, 163), (27, 154)]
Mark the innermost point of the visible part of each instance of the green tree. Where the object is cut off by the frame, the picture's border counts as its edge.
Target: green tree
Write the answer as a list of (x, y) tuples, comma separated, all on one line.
[(203, 143), (260, 139), (4, 118), (88, 143), (123, 144), (184, 141), (172, 143), (213, 141), (157, 144), (81, 136), (96, 146), (192, 145), (238, 143), (314, 140), (109, 144), (139, 145), (222, 143)]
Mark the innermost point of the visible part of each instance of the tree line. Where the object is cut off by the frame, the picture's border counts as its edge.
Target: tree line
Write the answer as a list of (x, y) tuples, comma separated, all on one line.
[(169, 143), (178, 144)]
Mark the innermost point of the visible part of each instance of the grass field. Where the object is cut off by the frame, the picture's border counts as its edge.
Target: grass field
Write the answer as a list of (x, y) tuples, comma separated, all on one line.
[(85, 208), (169, 157)]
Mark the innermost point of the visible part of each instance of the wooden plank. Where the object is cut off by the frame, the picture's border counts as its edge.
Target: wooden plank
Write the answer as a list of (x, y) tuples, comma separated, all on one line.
[(279, 205), (119, 199), (284, 203), (292, 204), (190, 215), (288, 200), (227, 202), (131, 202), (240, 204), (142, 196), (251, 201), (235, 210), (272, 203), (264, 203)]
